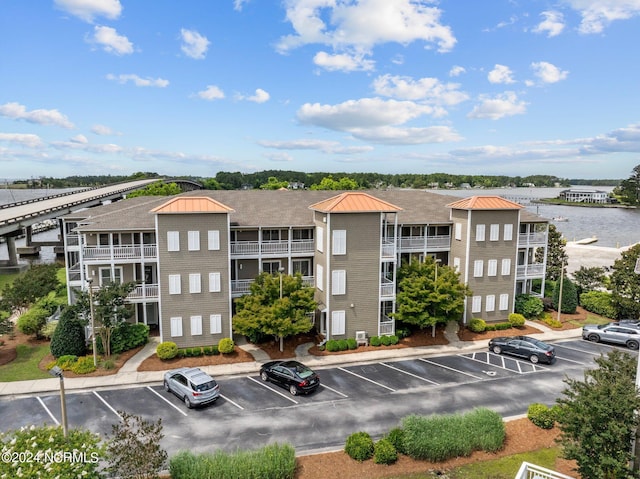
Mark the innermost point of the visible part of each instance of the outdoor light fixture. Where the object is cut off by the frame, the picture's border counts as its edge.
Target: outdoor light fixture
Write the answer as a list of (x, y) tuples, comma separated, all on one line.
[(56, 371)]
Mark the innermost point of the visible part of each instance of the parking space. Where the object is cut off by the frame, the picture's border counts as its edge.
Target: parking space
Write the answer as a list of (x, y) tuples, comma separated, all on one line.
[(389, 376), (23, 413), (83, 410), (351, 383), (505, 362), (471, 368)]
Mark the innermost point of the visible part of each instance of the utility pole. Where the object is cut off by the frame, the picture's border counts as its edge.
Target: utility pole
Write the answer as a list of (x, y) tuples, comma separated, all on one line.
[(93, 325)]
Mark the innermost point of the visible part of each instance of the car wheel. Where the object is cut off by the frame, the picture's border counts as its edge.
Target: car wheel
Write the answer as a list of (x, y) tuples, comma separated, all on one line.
[(534, 358), (593, 337), (187, 402), (264, 376), (497, 349), (166, 387), (632, 345), (293, 390)]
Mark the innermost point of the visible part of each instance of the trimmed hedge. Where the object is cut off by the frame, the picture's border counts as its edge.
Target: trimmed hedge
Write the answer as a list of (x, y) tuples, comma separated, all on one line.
[(598, 302), (529, 306), (167, 350), (541, 415), (226, 346), (517, 320), (384, 452), (477, 325), (359, 446)]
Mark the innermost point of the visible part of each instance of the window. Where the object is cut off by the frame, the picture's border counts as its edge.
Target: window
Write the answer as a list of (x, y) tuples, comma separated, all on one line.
[(337, 323), (106, 276), (508, 232), (458, 231), (271, 267), (213, 240), (339, 242), (338, 281), (456, 264), (193, 240), (476, 304), (215, 321), (504, 302), (320, 277), (174, 284), (506, 266), (319, 238), (270, 235), (478, 266), (196, 325), (494, 233), (214, 282), (302, 266), (490, 303), (176, 326), (173, 241), (492, 267), (479, 232), (194, 283), (299, 235)]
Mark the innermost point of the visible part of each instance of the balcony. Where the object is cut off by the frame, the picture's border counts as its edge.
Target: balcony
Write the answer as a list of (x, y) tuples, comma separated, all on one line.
[(531, 471), (532, 239), (122, 252), (271, 248), (424, 243), (530, 270), (387, 289), (387, 326), (143, 292), (240, 287), (73, 239), (388, 249)]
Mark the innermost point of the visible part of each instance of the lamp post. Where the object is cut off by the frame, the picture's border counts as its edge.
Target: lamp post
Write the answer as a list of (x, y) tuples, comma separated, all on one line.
[(560, 293), (57, 372), (280, 271), (93, 325), (437, 261)]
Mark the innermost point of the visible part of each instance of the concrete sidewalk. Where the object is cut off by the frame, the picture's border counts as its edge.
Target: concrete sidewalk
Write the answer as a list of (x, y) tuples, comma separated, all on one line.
[(129, 374)]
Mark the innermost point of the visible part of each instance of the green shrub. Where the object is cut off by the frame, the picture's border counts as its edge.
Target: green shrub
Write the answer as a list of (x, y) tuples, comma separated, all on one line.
[(188, 352), (182, 353), (385, 340), (214, 350), (127, 336), (352, 343), (167, 350), (394, 339), (48, 329), (207, 350), (502, 326), (375, 341), (384, 452), (490, 327), (359, 446), (528, 306), (396, 437), (517, 320), (569, 297), (274, 461), (403, 332), (598, 302), (195, 352), (332, 346), (108, 363), (33, 320), (541, 415), (84, 365), (66, 362), (343, 345), (551, 321), (226, 346), (477, 325)]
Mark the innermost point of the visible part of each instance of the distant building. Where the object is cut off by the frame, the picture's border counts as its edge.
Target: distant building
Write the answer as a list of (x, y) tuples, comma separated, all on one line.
[(584, 196)]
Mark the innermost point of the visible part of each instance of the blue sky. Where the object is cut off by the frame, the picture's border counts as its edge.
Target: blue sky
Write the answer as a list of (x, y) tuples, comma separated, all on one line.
[(499, 87)]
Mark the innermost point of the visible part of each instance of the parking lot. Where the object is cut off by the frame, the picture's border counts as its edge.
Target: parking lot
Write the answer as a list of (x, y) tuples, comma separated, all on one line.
[(345, 388)]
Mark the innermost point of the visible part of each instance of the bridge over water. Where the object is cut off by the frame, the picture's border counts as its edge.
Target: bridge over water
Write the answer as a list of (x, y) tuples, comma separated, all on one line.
[(18, 218)]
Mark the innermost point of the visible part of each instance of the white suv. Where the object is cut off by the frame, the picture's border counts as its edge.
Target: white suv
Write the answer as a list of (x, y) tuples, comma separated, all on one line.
[(192, 385)]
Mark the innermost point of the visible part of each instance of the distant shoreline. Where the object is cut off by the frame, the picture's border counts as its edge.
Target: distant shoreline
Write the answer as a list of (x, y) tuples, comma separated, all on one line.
[(553, 201)]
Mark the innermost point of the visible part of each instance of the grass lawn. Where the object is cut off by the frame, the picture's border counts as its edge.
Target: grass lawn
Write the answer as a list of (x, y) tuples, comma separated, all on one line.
[(25, 366), (592, 319)]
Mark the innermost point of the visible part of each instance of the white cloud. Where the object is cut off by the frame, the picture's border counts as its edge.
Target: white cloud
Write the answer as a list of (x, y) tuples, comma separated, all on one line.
[(343, 62), (87, 10), (194, 45), (457, 71), (500, 106), (279, 157), (500, 74), (548, 73), (330, 147), (598, 14), (111, 42), (79, 139), (23, 139), (391, 135), (260, 96), (552, 25), (430, 90), (238, 4), (212, 92), (102, 130), (138, 81), (17, 111), (362, 24)]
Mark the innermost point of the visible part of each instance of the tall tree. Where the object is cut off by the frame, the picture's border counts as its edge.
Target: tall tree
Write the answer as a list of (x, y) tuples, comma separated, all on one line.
[(270, 310), (556, 255), (33, 284), (598, 417), (629, 189), (589, 278), (625, 284), (429, 294), (159, 188)]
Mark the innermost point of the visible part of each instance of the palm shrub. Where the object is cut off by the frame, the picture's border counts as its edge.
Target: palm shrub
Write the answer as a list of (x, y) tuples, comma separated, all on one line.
[(384, 452), (359, 446)]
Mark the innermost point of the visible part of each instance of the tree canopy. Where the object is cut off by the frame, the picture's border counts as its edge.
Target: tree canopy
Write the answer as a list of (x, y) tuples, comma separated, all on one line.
[(629, 189), (556, 255), (270, 312), (158, 188), (429, 294), (30, 286), (328, 183), (625, 284)]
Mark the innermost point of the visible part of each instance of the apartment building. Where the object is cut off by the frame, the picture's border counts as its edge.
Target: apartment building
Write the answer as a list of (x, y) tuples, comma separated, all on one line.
[(193, 253)]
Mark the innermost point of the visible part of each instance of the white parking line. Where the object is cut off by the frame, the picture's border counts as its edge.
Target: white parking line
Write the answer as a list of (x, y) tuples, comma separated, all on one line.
[(48, 411), (449, 368), (410, 374), (167, 401), (273, 390), (108, 405), (367, 379), (534, 367), (229, 400), (334, 390)]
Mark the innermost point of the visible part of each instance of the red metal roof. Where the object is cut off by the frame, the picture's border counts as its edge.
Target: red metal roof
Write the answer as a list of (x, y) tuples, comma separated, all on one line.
[(192, 204), (485, 203), (354, 202)]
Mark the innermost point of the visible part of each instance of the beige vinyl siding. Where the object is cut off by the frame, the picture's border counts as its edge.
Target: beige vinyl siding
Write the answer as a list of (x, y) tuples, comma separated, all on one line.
[(202, 261)]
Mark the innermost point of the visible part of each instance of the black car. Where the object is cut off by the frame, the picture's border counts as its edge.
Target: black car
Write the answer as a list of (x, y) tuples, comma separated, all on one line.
[(523, 346), (293, 375)]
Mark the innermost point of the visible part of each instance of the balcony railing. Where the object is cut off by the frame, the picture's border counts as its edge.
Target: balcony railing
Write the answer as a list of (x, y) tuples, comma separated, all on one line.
[(121, 252), (143, 291), (387, 288), (274, 248), (532, 238), (533, 269), (387, 326), (531, 471), (243, 286), (425, 243), (388, 249), (73, 240)]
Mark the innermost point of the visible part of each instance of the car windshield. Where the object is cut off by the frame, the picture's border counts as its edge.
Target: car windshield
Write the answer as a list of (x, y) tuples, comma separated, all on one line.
[(303, 371), (206, 386)]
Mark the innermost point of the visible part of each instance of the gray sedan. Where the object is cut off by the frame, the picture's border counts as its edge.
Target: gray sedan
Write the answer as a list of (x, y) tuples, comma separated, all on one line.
[(612, 333)]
